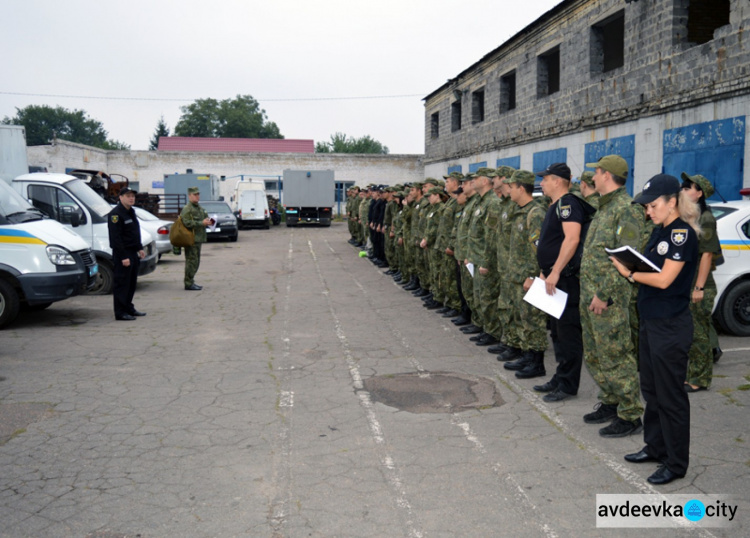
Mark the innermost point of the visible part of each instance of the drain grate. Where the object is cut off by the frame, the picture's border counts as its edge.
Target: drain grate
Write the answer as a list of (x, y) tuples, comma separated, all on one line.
[(437, 392)]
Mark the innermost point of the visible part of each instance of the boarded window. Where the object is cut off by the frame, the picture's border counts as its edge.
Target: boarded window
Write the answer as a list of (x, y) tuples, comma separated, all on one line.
[(608, 43), (508, 92), (477, 106), (435, 125), (548, 72), (704, 18), (456, 116)]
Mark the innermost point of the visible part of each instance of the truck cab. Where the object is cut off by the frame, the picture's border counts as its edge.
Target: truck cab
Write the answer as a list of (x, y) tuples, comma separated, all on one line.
[(72, 203), (41, 261)]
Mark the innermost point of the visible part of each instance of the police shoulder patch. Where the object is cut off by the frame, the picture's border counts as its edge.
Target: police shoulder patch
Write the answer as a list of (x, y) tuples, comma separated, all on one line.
[(565, 211), (679, 236), (662, 248), (115, 219)]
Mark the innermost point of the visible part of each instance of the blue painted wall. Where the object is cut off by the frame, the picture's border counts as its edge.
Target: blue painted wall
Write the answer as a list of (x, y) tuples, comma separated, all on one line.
[(476, 166), (624, 146), (714, 149), (513, 162), (542, 159)]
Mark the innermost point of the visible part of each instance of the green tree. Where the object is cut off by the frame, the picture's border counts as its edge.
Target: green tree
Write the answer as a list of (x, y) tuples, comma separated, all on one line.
[(43, 123), (240, 117), (161, 130), (340, 143)]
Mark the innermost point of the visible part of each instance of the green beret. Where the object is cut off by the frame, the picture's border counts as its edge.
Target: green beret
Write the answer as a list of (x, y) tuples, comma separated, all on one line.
[(523, 177), (194, 190), (505, 171)]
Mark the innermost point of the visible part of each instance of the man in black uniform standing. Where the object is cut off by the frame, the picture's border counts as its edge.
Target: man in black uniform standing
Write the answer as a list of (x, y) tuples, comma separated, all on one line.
[(559, 257), (127, 253)]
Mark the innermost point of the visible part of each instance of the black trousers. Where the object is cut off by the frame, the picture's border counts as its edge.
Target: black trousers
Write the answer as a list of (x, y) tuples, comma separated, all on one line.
[(123, 288), (567, 339), (663, 355)]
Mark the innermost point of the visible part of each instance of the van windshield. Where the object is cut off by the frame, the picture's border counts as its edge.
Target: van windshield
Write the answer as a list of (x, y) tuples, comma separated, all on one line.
[(14, 209), (88, 197)]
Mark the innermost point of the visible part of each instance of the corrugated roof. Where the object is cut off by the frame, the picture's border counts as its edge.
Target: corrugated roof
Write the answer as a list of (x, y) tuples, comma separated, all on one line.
[(243, 145)]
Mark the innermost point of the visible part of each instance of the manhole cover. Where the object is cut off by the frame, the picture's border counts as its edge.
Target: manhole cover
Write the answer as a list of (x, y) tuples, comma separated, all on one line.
[(438, 392)]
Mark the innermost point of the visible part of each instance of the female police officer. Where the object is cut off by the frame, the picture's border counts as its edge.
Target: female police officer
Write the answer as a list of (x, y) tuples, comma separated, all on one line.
[(666, 325)]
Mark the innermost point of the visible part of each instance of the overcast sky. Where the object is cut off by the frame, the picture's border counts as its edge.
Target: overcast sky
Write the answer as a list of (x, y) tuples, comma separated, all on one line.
[(126, 63)]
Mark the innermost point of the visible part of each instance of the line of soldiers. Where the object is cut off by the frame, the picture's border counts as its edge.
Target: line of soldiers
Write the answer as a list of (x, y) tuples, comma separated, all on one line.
[(471, 246)]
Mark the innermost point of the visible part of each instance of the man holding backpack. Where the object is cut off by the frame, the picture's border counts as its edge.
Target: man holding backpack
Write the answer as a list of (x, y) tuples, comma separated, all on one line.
[(559, 256), (195, 218)]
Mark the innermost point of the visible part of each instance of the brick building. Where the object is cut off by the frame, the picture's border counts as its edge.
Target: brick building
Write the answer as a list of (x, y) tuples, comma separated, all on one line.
[(664, 83)]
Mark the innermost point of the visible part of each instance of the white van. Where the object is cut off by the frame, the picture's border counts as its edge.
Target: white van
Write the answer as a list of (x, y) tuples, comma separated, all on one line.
[(252, 209), (71, 202), (41, 261)]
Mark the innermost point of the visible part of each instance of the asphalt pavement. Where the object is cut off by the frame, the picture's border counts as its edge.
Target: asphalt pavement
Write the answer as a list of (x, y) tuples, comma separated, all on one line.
[(302, 393)]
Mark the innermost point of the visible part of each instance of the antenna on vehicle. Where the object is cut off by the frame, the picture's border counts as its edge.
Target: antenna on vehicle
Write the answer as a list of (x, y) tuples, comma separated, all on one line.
[(716, 190)]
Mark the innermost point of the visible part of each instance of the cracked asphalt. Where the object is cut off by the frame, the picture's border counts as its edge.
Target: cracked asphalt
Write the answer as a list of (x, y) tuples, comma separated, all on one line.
[(241, 410)]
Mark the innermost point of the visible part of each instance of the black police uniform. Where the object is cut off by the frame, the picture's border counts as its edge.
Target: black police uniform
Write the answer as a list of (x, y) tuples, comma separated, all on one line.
[(125, 240), (566, 331), (665, 336)]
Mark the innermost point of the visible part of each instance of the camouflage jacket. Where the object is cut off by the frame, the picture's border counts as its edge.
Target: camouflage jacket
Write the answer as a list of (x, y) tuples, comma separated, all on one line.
[(525, 229), (477, 243), (192, 216), (506, 209), (404, 225), (414, 234), (432, 223), (461, 250), (615, 224), (364, 211), (447, 220), (453, 237)]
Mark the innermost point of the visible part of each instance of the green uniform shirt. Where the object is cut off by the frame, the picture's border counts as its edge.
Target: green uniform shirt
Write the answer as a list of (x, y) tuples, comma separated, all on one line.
[(192, 216), (525, 229)]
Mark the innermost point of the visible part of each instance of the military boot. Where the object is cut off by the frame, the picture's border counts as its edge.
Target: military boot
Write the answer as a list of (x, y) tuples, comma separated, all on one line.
[(535, 368), (510, 353), (527, 358)]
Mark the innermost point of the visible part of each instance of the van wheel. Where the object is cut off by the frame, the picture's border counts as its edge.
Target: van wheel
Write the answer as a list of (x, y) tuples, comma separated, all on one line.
[(104, 279), (734, 310), (9, 303)]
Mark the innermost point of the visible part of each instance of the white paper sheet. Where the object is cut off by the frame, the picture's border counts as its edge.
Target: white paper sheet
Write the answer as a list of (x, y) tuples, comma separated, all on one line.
[(470, 267), (551, 304)]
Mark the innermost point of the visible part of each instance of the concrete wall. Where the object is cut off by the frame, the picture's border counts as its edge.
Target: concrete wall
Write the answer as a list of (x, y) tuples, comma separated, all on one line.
[(147, 167), (648, 142), (664, 82)]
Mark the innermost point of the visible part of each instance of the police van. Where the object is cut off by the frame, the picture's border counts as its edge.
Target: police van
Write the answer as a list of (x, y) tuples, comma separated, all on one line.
[(41, 261), (71, 202)]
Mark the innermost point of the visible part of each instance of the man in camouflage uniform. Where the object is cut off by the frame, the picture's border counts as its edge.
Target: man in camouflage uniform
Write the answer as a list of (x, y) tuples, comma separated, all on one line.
[(605, 303), (357, 224), (506, 209), (420, 254), (396, 231), (195, 218), (461, 254), (391, 208), (351, 198), (430, 234), (482, 253), (415, 194), (588, 191), (447, 287), (528, 325)]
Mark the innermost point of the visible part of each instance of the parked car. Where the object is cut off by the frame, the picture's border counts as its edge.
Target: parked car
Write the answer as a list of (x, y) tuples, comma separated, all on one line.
[(226, 222), (732, 306), (157, 227)]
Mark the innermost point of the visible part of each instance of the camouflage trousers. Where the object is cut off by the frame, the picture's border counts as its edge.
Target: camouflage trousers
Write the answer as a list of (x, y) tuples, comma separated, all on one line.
[(422, 266), (504, 310), (467, 287), (611, 359), (527, 329), (486, 289), (407, 268), (447, 282), (192, 262), (390, 251), (434, 260), (701, 359)]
